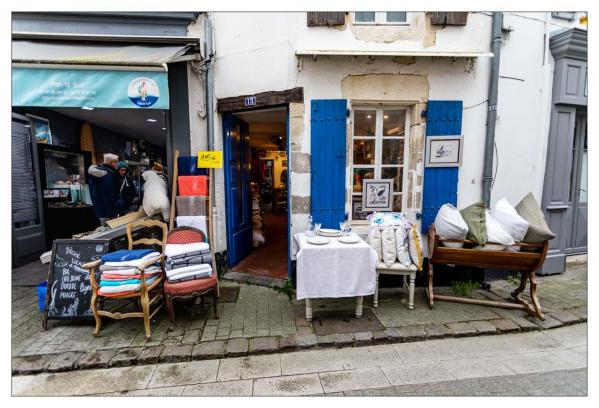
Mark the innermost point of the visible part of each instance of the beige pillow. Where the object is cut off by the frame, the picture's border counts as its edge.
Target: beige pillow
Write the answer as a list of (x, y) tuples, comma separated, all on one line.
[(374, 240), (389, 250), (538, 230)]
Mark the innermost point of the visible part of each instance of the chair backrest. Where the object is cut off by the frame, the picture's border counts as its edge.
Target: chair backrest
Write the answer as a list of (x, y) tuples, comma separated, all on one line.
[(185, 235), (147, 241)]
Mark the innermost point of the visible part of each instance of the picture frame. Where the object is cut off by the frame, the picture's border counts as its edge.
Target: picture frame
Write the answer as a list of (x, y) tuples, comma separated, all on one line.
[(377, 195), (444, 151), (41, 129)]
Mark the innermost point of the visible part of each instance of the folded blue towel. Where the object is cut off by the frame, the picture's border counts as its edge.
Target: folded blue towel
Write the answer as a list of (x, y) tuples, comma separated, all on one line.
[(126, 255), (104, 283)]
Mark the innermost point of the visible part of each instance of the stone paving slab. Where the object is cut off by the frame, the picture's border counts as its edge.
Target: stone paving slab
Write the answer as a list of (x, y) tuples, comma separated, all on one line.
[(262, 320)]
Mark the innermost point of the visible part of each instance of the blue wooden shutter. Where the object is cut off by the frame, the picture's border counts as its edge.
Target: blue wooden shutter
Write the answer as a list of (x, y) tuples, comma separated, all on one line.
[(328, 128), (440, 183)]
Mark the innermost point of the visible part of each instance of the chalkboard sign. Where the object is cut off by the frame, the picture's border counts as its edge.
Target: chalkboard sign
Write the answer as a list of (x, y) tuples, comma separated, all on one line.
[(69, 292)]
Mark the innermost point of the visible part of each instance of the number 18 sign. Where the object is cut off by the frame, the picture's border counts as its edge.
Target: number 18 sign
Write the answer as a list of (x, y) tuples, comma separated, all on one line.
[(210, 160)]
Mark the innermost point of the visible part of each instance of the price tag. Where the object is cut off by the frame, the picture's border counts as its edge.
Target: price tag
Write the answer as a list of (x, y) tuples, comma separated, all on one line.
[(210, 160)]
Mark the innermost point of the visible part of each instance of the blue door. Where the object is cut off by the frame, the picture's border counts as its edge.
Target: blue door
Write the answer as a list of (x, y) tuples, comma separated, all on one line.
[(237, 187), (328, 128), (443, 118)]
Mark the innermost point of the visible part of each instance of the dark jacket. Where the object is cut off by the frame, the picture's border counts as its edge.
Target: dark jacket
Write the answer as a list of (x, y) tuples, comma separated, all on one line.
[(126, 194), (103, 190)]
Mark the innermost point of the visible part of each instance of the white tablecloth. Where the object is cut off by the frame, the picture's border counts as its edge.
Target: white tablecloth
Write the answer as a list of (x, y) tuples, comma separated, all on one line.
[(333, 270)]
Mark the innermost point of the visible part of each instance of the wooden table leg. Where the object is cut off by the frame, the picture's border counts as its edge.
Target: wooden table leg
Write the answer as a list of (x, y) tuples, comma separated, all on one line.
[(359, 303), (308, 310)]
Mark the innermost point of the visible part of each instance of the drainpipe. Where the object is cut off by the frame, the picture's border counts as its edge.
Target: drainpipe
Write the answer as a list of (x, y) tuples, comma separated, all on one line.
[(208, 45), (492, 110)]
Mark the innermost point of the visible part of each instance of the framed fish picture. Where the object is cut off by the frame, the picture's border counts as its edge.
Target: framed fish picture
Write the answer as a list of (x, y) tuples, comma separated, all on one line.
[(444, 151), (377, 195)]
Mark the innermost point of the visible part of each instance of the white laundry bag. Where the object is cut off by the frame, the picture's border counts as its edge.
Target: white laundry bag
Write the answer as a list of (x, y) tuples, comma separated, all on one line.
[(495, 232), (450, 224), (510, 221)]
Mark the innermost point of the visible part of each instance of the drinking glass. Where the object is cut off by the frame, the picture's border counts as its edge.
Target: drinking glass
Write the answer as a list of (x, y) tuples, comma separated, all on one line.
[(317, 227)]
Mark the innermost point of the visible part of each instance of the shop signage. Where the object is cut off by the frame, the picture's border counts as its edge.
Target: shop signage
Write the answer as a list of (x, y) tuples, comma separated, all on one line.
[(250, 101), (92, 88), (210, 160)]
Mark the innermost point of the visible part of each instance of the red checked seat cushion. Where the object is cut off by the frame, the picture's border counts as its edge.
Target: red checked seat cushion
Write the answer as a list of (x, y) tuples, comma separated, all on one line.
[(189, 287)]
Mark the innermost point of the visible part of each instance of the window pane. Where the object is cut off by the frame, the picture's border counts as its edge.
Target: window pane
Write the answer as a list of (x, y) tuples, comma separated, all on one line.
[(357, 213), (397, 203), (363, 151), (359, 175), (393, 151), (364, 122), (396, 16), (365, 16), (395, 173), (394, 122)]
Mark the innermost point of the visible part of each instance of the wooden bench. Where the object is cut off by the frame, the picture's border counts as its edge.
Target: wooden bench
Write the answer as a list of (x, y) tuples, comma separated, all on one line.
[(526, 262)]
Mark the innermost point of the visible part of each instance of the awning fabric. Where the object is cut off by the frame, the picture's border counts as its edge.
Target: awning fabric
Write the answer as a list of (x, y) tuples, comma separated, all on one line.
[(94, 53), (96, 88)]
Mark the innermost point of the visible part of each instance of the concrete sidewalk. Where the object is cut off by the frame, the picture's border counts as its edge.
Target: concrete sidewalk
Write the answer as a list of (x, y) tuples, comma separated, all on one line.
[(263, 320), (551, 362)]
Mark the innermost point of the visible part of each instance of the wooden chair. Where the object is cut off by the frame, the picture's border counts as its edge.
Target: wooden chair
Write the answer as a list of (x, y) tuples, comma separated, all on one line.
[(142, 298), (193, 288), (397, 269)]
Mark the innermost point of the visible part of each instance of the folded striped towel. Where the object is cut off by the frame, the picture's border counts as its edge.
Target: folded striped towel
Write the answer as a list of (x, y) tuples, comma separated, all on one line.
[(126, 255), (188, 278), (173, 273), (125, 282), (132, 287), (105, 267), (191, 275), (109, 276), (132, 271), (135, 262), (204, 257), (172, 250)]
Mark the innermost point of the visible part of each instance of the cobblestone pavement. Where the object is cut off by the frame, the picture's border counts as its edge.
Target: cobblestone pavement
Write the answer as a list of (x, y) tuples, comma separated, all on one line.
[(263, 320), (545, 363)]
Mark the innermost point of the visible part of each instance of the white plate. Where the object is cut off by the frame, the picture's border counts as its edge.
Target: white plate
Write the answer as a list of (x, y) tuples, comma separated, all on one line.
[(318, 240), (349, 239), (329, 232)]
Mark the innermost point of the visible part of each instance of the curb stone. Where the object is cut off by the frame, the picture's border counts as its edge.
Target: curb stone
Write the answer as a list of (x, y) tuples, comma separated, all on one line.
[(236, 347)]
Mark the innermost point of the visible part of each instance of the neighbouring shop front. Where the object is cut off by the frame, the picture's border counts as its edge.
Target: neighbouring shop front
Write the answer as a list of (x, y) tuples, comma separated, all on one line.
[(73, 101)]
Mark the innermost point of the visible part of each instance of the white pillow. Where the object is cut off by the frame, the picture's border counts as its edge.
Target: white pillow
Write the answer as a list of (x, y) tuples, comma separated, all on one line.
[(389, 250), (450, 224), (374, 240), (415, 247), (495, 232), (510, 221), (401, 244)]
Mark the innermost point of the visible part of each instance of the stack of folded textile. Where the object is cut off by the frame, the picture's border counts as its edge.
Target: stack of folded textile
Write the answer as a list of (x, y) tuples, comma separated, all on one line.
[(121, 274), (188, 261)]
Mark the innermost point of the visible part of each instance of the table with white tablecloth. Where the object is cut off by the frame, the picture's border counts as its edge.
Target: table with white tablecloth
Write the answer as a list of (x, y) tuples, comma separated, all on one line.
[(333, 270)]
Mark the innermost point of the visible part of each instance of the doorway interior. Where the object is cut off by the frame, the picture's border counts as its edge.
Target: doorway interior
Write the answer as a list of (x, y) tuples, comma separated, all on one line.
[(260, 179)]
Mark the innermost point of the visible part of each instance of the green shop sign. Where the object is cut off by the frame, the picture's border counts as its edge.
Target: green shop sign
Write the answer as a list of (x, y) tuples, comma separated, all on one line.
[(93, 88)]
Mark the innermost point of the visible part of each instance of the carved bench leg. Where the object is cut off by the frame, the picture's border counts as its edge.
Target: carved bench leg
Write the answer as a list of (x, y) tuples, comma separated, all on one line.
[(520, 289), (95, 312), (533, 295), (431, 296)]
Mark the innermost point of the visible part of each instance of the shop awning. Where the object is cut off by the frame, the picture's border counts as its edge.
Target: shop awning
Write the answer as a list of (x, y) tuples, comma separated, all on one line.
[(49, 52), (88, 86), (396, 53)]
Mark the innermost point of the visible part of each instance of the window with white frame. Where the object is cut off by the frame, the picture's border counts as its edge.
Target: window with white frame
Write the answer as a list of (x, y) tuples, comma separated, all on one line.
[(379, 151), (380, 18)]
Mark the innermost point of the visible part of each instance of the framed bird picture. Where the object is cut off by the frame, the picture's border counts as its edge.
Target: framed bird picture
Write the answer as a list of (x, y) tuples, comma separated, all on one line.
[(377, 195), (443, 151)]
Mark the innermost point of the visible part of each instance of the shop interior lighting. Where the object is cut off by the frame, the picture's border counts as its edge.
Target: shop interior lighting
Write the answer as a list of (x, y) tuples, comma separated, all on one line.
[(87, 108), (151, 120)]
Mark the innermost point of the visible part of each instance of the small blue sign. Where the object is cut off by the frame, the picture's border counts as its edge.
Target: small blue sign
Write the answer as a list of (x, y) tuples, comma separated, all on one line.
[(250, 101)]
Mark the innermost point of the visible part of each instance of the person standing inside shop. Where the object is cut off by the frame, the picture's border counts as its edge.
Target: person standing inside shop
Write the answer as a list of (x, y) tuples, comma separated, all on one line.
[(127, 191), (103, 188)]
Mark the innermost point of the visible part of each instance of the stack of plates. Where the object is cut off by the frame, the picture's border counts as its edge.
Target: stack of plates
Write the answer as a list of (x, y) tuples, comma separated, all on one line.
[(349, 239), (325, 232)]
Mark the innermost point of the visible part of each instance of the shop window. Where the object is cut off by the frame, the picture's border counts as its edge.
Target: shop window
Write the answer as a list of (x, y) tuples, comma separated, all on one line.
[(381, 18), (379, 151)]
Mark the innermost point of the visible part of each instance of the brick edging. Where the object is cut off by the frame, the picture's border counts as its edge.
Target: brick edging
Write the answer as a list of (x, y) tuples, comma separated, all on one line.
[(241, 346)]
